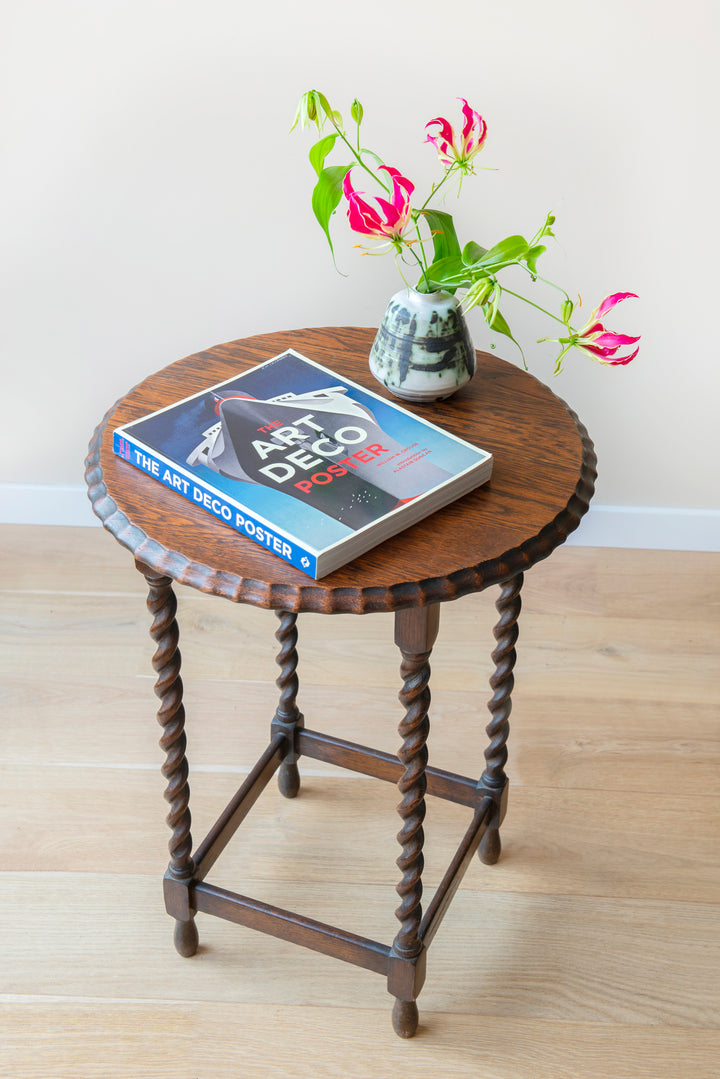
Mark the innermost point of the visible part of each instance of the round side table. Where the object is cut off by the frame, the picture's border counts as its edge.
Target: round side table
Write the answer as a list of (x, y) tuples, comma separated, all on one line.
[(542, 483)]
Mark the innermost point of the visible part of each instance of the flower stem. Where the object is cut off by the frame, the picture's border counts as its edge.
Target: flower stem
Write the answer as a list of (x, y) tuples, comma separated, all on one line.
[(422, 258), (357, 154), (545, 280), (436, 188), (419, 262), (561, 357), (536, 305)]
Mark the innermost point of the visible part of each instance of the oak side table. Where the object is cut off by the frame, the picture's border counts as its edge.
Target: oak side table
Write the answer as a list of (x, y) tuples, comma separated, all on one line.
[(541, 486)]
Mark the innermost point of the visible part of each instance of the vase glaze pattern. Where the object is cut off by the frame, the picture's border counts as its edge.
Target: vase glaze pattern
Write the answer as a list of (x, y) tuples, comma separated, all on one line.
[(423, 350)]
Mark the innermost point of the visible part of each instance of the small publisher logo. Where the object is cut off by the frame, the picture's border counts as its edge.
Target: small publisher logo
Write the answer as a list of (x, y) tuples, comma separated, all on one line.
[(305, 562)]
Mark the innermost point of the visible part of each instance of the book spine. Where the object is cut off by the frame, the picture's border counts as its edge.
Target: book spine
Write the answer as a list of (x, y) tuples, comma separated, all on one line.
[(212, 501)]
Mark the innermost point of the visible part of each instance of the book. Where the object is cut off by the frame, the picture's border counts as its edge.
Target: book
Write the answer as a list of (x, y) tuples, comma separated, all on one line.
[(313, 467)]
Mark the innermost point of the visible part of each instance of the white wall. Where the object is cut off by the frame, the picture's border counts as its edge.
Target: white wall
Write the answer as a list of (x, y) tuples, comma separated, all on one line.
[(153, 202)]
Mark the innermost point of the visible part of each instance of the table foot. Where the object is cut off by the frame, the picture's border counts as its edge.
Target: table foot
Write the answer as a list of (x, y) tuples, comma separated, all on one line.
[(405, 1018), (490, 847), (289, 780), (185, 938)]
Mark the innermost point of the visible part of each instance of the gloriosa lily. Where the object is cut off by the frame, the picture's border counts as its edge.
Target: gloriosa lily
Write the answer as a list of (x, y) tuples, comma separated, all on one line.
[(600, 343), (473, 137), (594, 339), (409, 231), (365, 219)]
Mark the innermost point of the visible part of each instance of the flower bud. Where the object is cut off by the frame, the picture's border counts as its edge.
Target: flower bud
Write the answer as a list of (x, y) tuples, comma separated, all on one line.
[(481, 290), (477, 294), (566, 311), (310, 110), (356, 111)]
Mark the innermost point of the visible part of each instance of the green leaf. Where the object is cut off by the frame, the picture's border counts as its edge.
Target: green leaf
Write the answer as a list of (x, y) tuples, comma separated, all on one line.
[(319, 152), (326, 196), (371, 153), (472, 253), (502, 254), (449, 273), (533, 255), (444, 237), (496, 322)]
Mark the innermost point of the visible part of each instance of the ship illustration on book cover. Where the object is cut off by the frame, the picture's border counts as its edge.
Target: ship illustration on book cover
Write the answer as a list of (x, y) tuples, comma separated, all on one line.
[(306, 463)]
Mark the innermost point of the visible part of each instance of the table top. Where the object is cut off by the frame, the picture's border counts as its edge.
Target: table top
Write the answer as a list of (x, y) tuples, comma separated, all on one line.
[(542, 483)]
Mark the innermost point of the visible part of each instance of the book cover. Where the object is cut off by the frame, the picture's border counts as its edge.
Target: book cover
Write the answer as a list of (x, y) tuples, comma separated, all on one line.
[(308, 464)]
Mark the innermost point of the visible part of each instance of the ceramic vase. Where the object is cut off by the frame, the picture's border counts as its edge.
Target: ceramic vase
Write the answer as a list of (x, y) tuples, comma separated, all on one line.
[(423, 351)]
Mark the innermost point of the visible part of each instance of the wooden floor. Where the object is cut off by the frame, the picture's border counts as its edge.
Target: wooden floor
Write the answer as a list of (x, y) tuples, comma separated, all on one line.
[(591, 950)]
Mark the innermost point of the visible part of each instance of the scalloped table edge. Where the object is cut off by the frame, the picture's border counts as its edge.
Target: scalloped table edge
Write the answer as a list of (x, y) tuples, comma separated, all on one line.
[(320, 597)]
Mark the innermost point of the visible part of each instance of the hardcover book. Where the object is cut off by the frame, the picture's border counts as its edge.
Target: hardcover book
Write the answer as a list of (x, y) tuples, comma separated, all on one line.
[(308, 464)]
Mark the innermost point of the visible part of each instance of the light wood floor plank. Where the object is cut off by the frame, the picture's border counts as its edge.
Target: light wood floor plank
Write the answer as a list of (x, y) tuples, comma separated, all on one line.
[(62, 817), (576, 580), (150, 1040), (560, 958), (83, 717), (41, 636), (65, 559)]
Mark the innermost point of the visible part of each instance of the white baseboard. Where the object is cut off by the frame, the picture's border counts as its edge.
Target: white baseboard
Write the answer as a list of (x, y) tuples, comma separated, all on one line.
[(45, 504), (650, 527)]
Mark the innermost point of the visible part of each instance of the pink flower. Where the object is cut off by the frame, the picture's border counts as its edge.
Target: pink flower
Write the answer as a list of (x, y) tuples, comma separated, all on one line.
[(474, 133), (594, 339), (368, 220)]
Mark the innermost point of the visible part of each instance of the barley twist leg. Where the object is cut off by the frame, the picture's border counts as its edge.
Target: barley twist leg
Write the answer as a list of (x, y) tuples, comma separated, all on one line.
[(162, 604), (287, 717), (412, 785), (494, 779), (415, 633)]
